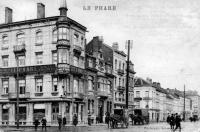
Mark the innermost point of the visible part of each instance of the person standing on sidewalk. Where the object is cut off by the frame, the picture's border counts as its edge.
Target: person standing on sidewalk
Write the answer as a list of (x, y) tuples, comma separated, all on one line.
[(64, 121), (59, 122), (36, 123), (172, 121), (44, 123), (75, 120)]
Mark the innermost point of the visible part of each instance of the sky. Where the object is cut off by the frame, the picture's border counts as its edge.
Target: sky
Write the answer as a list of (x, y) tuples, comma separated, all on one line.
[(165, 33)]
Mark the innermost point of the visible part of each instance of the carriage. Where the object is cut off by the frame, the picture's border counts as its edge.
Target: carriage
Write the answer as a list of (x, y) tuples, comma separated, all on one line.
[(140, 116), (119, 118)]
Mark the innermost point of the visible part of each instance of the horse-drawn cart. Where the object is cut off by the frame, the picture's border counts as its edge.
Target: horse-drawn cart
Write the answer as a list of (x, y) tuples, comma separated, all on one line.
[(119, 118)]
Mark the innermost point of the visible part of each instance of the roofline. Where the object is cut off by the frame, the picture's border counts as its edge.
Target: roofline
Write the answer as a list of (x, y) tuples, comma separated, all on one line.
[(31, 21)]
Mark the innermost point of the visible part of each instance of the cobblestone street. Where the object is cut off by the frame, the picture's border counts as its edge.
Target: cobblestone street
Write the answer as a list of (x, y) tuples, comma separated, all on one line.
[(155, 127)]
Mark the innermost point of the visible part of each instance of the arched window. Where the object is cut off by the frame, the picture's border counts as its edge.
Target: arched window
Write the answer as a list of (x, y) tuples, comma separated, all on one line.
[(54, 35), (4, 41), (39, 37), (20, 38)]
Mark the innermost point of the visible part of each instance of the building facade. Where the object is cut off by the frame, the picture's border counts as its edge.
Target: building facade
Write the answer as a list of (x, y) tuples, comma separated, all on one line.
[(44, 59)]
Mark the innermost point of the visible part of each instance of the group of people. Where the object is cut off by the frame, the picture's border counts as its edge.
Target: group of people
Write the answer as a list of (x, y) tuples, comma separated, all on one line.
[(61, 121), (174, 121)]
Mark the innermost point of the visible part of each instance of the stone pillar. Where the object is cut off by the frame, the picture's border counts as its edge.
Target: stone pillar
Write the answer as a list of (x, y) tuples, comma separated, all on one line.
[(79, 112), (12, 114), (29, 114), (70, 112), (104, 109), (48, 113)]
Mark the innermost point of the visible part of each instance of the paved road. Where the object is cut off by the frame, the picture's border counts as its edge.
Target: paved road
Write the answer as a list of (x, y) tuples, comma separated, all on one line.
[(155, 127)]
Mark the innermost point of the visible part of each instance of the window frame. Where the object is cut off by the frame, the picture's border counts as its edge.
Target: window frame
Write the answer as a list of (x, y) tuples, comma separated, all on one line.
[(39, 59), (5, 89), (40, 88), (5, 44), (5, 63), (38, 37)]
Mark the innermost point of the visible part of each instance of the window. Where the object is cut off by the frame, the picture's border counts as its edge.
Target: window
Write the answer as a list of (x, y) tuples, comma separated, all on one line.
[(76, 39), (5, 61), (55, 84), (5, 86), (90, 64), (54, 57), (54, 34), (137, 93), (63, 33), (76, 61), (81, 86), (115, 64), (39, 85), (21, 60), (22, 86), (123, 84), (90, 83), (39, 58), (137, 104), (75, 85), (123, 67), (146, 93), (119, 82), (39, 37), (63, 56), (119, 64), (5, 42), (109, 86), (82, 41), (20, 39)]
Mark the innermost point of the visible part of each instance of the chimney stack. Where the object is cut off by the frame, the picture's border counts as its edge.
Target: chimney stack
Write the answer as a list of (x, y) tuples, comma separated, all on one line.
[(63, 8), (115, 46), (8, 15), (40, 10)]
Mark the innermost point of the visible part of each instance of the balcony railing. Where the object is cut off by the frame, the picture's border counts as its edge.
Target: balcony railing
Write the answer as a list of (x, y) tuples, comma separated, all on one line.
[(78, 95), (120, 88), (22, 96), (147, 98), (109, 72), (63, 68), (120, 72), (63, 43), (77, 70), (19, 48), (102, 93)]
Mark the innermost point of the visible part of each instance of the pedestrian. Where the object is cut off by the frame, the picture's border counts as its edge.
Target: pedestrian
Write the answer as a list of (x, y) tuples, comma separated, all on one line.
[(36, 123), (168, 119), (64, 121), (178, 122), (172, 121), (75, 120), (44, 123), (157, 119), (59, 122), (107, 119)]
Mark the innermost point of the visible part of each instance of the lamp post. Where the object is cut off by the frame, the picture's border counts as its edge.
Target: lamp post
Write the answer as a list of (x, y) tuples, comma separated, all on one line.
[(184, 104), (128, 46)]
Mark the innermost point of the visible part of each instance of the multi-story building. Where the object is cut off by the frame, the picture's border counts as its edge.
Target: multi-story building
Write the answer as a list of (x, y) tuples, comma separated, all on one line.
[(45, 59), (100, 78), (195, 103), (119, 70)]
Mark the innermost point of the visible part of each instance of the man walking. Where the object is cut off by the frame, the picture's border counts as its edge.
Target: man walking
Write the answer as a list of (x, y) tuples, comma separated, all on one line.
[(178, 122), (36, 123), (59, 122), (172, 121)]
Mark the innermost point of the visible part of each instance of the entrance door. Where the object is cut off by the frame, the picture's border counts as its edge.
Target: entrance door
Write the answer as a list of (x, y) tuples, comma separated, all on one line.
[(100, 110), (55, 112)]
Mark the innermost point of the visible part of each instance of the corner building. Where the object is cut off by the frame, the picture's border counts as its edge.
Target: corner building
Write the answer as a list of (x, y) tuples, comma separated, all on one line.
[(45, 59)]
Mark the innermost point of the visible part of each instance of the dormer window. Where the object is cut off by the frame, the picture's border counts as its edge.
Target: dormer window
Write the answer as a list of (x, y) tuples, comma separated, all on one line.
[(20, 39)]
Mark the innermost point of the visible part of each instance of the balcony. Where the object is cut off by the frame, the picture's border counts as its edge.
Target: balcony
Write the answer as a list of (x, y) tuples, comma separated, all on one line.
[(19, 48), (68, 94), (21, 96), (63, 43), (109, 72), (78, 95), (77, 71), (147, 98), (132, 71), (102, 93), (63, 68), (120, 72), (137, 99), (120, 88), (90, 67), (130, 89), (77, 49)]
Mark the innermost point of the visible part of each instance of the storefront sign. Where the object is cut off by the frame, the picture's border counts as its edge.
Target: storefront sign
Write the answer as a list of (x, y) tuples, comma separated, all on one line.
[(28, 70)]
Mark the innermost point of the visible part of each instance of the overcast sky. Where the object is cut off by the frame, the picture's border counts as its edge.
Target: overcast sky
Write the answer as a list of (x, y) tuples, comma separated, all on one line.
[(165, 33)]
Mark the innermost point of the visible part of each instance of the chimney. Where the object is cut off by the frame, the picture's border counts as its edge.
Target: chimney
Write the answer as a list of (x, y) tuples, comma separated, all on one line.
[(40, 10), (100, 38), (158, 84), (8, 15), (115, 46), (149, 80)]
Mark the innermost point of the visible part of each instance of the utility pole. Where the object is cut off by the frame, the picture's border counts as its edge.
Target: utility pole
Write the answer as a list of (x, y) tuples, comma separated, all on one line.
[(184, 104), (17, 86), (127, 71)]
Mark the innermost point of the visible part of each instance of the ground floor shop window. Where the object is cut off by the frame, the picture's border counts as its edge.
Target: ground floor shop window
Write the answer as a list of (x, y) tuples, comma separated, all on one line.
[(5, 114), (39, 111), (22, 112)]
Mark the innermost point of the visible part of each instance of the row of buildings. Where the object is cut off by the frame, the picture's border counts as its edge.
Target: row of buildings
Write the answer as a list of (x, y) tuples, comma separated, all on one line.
[(161, 102), (48, 62)]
